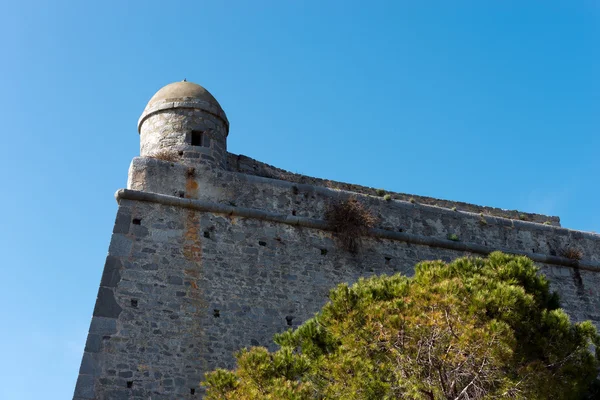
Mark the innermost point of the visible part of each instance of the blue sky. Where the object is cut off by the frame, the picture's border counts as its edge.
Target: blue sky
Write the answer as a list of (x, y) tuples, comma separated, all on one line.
[(494, 103)]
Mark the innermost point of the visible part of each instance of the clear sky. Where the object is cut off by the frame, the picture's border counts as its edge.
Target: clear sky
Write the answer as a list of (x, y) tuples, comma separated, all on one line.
[(489, 102)]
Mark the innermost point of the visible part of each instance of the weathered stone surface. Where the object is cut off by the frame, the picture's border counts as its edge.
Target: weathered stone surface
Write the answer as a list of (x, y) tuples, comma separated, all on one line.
[(90, 364), (93, 343), (103, 326), (257, 289), (183, 289), (249, 166), (85, 388), (111, 274), (106, 305), (122, 221), (170, 131), (120, 245)]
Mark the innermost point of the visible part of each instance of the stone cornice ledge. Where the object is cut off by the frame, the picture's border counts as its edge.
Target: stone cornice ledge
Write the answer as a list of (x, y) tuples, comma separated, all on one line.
[(202, 205), (191, 104)]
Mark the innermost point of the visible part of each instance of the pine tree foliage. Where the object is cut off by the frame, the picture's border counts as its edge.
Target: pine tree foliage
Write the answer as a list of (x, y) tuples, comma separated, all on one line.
[(471, 329)]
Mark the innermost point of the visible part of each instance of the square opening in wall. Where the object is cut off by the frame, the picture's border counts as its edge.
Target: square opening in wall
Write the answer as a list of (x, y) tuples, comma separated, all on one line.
[(197, 138)]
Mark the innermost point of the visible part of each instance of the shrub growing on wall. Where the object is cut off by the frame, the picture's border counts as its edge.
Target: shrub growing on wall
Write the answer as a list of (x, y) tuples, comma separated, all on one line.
[(350, 220), (472, 329), (165, 155)]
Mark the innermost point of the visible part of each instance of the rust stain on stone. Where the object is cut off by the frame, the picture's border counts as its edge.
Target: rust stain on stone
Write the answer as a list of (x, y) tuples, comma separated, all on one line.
[(192, 251), (191, 188), (192, 272), (195, 298), (192, 248)]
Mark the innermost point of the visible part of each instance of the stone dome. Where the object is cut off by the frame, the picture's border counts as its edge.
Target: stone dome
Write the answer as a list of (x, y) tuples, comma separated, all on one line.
[(183, 95), (178, 91)]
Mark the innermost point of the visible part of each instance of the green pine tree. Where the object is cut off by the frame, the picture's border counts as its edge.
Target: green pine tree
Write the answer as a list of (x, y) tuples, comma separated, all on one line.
[(471, 329)]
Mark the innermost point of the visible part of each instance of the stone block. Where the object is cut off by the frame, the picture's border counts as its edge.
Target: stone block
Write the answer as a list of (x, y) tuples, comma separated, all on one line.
[(111, 274), (120, 394), (139, 231), (175, 280), (84, 389), (93, 343), (122, 221), (120, 245), (106, 305), (90, 364), (103, 326)]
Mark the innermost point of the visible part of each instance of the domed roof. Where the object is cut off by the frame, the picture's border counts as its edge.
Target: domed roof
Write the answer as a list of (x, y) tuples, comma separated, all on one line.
[(183, 94), (183, 90)]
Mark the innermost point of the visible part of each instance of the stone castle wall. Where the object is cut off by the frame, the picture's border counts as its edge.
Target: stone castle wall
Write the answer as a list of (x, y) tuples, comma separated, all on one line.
[(250, 166), (203, 262)]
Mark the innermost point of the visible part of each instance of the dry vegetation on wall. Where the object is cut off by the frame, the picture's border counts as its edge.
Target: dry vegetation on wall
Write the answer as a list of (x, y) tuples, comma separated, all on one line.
[(165, 155), (349, 219), (572, 253)]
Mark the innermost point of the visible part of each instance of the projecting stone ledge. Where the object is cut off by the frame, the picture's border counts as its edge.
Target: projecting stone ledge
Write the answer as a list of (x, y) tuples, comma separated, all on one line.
[(217, 208)]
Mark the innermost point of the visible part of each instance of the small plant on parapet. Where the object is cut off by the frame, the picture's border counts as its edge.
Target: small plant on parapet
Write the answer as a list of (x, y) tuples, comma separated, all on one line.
[(454, 209), (387, 197), (380, 192), (523, 217), (572, 253), (350, 220), (482, 219), (412, 200), (547, 223), (164, 155), (453, 237)]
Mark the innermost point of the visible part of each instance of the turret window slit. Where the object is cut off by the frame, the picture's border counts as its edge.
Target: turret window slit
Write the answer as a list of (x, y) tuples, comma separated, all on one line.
[(197, 138)]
